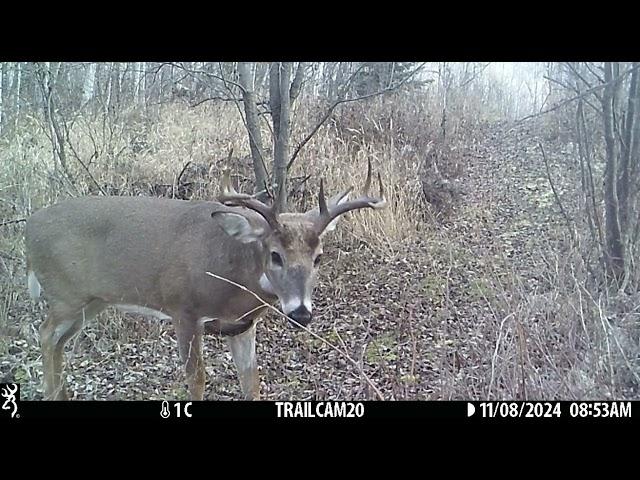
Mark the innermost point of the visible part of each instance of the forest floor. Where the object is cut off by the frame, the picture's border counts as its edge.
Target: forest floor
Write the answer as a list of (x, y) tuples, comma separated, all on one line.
[(461, 310)]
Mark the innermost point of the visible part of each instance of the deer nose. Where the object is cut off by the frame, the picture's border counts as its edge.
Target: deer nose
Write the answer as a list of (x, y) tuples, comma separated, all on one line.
[(301, 315)]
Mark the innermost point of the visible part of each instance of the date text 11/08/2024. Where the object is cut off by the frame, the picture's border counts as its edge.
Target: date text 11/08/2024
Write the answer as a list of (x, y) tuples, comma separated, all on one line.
[(555, 410)]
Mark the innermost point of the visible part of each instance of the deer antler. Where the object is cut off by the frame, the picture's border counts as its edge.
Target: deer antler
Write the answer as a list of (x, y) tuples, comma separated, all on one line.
[(327, 214), (229, 196)]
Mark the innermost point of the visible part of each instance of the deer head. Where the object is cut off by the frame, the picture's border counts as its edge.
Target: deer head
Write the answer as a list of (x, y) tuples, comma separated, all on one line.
[(291, 243)]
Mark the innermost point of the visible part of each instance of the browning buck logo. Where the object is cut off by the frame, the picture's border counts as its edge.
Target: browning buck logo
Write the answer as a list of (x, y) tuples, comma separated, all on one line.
[(8, 391)]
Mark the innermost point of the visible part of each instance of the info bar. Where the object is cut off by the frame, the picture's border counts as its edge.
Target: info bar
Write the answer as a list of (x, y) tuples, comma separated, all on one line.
[(468, 412)]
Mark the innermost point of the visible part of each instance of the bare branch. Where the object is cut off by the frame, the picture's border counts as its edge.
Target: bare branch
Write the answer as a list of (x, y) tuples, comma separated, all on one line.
[(573, 99), (342, 100), (574, 90), (575, 71), (10, 222), (210, 99), (77, 157), (474, 76), (594, 73), (555, 193), (205, 73)]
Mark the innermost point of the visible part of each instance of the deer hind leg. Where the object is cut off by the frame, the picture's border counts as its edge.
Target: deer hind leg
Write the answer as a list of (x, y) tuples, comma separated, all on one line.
[(62, 323), (189, 334), (243, 351)]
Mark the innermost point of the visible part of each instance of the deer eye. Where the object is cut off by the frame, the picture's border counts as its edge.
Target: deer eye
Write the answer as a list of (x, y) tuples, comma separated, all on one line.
[(316, 262), (276, 259)]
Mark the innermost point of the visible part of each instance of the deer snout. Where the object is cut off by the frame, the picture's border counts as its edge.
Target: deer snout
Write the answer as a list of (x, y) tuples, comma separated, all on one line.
[(301, 315)]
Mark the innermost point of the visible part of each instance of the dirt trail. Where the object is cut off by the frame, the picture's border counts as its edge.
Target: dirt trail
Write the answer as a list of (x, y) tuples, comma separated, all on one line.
[(424, 320)]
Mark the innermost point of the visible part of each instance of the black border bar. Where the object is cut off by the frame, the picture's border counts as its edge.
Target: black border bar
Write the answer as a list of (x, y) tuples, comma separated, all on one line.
[(472, 412)]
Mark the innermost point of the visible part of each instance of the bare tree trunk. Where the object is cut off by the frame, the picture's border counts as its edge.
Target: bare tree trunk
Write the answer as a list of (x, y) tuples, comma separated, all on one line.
[(615, 245), (98, 90), (109, 88), (142, 91), (2, 75), (296, 85), (341, 74), (623, 179), (274, 98), (115, 84), (89, 83), (18, 85), (48, 78), (136, 82), (254, 75), (634, 161), (586, 155), (122, 82), (253, 127), (634, 155), (280, 111)]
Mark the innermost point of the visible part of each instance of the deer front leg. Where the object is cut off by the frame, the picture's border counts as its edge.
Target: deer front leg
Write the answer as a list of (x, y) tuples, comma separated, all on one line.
[(65, 319), (243, 351), (189, 335)]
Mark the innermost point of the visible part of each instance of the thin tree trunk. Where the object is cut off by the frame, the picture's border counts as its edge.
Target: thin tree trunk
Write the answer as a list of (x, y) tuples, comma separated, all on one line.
[(634, 160), (136, 82), (115, 84), (623, 180), (296, 84), (109, 88), (142, 92), (18, 98), (253, 127), (274, 98), (281, 87), (615, 245), (89, 83), (48, 77), (2, 75)]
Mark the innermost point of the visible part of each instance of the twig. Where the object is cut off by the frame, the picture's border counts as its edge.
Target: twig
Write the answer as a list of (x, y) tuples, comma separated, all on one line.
[(302, 182), (19, 220), (75, 154), (555, 193), (271, 307), (182, 172)]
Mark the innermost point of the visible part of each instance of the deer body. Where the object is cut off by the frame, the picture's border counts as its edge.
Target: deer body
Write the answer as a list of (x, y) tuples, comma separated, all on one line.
[(86, 251), (151, 256)]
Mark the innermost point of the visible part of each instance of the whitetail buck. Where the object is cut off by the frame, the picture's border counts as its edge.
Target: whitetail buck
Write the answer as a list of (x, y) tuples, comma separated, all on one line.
[(151, 255)]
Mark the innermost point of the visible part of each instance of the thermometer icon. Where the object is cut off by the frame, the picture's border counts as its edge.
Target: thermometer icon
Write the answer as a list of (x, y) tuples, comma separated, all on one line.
[(164, 413)]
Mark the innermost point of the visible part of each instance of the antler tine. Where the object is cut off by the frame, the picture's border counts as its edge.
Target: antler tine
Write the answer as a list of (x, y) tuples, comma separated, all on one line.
[(381, 190), (327, 214), (367, 182), (227, 186), (229, 196), (322, 201)]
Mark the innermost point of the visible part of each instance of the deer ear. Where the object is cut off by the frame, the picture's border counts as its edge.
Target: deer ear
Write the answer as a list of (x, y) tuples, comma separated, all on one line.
[(239, 227)]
